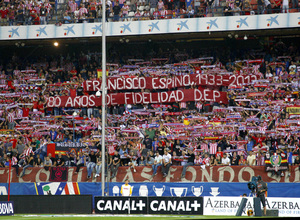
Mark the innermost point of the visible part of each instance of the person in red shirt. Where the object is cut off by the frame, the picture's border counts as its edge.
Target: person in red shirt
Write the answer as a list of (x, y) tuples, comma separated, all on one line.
[(259, 139), (25, 111), (36, 20), (3, 12), (277, 6), (13, 141), (32, 14), (41, 108), (219, 152), (72, 91)]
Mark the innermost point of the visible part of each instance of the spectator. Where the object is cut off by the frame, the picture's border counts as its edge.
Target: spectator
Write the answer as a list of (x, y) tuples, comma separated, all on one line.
[(47, 163), (260, 6), (116, 10), (14, 163), (43, 14), (92, 158), (166, 163), (234, 160), (268, 6), (157, 163), (29, 163), (246, 7), (67, 18), (277, 6), (236, 10), (251, 159), (153, 6), (209, 6), (81, 162), (115, 164), (227, 10), (150, 159), (125, 10), (190, 12), (11, 16), (137, 15), (59, 161), (143, 161), (242, 161), (285, 6), (225, 160), (190, 162), (133, 162), (160, 5), (38, 162)]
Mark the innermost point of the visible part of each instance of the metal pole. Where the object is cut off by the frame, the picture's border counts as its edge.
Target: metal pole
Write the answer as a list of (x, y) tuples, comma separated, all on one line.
[(73, 128), (103, 93)]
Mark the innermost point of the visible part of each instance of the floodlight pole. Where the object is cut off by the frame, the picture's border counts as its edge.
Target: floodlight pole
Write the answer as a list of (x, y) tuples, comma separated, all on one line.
[(103, 94)]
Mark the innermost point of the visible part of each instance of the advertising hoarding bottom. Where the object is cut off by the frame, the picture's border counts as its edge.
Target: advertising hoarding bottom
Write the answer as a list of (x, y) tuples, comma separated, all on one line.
[(149, 205), (225, 205)]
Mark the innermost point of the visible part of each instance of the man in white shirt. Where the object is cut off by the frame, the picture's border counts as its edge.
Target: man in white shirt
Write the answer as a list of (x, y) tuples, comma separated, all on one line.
[(225, 160), (167, 162), (126, 189), (285, 6), (251, 159), (157, 163)]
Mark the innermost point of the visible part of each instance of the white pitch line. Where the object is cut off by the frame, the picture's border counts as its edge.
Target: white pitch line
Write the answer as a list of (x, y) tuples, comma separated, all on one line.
[(107, 215)]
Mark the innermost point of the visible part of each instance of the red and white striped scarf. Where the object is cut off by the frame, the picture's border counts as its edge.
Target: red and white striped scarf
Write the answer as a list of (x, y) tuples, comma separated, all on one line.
[(11, 117), (204, 147), (213, 148)]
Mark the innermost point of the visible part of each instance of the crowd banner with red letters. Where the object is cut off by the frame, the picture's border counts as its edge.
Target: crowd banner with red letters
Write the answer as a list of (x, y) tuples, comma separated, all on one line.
[(58, 174), (129, 83), (140, 98), (144, 174)]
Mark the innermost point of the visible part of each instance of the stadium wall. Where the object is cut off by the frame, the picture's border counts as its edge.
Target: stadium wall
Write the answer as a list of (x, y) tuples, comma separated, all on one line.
[(144, 174)]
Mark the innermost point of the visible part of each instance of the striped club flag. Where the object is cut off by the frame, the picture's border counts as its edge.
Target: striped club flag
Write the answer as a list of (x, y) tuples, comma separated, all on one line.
[(57, 188)]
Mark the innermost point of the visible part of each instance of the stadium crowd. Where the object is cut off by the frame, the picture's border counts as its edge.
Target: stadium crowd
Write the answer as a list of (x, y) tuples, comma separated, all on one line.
[(32, 12), (253, 125)]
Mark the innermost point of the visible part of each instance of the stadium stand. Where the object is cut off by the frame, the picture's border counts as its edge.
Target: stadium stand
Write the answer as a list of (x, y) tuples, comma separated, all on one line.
[(259, 120), (71, 11)]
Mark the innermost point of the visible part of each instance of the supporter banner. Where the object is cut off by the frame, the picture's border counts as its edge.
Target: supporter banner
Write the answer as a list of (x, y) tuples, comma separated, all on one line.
[(72, 147), (58, 174), (121, 205), (129, 83), (277, 162), (293, 110), (150, 27), (6, 208), (57, 188), (144, 174), (287, 207), (140, 98)]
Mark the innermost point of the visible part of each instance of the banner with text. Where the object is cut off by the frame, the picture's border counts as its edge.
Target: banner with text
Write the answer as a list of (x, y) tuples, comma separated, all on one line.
[(140, 98), (69, 147), (129, 83), (6, 208), (144, 174)]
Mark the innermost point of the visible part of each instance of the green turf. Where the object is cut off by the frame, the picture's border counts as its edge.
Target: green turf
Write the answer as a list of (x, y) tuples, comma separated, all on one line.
[(116, 217)]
